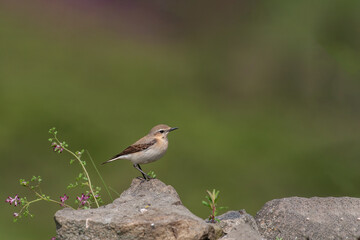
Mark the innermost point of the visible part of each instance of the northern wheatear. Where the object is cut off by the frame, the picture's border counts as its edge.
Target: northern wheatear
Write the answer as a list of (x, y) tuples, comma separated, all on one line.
[(147, 149)]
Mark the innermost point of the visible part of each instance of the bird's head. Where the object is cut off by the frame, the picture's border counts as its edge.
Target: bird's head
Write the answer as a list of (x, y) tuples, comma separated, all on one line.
[(161, 130)]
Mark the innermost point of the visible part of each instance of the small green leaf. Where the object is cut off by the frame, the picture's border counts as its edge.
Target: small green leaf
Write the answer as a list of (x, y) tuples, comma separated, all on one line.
[(51, 130), (72, 161), (216, 194), (152, 174), (206, 203)]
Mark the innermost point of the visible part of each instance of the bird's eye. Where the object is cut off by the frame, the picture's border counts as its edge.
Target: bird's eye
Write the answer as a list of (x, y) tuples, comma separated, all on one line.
[(161, 131)]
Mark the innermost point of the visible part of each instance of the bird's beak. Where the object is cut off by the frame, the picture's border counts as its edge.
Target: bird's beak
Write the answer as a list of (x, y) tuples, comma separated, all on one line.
[(172, 129)]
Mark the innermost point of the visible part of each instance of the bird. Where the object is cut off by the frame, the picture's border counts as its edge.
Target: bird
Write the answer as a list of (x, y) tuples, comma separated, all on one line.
[(147, 149)]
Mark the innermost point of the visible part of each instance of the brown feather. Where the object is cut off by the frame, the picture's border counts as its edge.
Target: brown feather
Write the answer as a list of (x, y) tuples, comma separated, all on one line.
[(135, 148)]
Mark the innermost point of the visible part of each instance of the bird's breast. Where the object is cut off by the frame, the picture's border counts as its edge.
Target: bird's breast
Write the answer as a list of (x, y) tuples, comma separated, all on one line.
[(151, 154)]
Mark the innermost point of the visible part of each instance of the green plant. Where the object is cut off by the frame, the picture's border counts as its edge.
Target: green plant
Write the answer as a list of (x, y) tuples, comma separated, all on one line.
[(152, 174), (90, 198), (34, 186), (211, 203), (83, 178)]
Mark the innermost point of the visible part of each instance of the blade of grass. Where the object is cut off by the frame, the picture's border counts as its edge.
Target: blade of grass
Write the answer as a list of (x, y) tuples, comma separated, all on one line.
[(114, 191), (102, 180)]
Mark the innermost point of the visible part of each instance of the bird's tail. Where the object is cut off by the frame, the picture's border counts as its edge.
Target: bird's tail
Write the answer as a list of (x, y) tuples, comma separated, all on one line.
[(111, 160), (117, 157)]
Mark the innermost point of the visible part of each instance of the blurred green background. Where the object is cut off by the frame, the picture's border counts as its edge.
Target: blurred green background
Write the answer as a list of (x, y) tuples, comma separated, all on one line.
[(266, 95)]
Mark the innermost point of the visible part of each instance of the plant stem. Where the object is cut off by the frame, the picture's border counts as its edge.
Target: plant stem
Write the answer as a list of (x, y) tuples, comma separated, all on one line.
[(102, 180), (51, 200), (114, 191), (46, 199), (86, 173), (82, 165), (28, 204), (213, 213)]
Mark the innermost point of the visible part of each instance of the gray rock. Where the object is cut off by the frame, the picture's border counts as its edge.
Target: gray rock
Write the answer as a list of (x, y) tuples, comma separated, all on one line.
[(242, 232), (310, 218), (147, 210), (238, 225)]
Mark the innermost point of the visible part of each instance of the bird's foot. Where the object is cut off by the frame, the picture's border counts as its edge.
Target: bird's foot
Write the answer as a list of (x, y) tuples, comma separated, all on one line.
[(144, 179)]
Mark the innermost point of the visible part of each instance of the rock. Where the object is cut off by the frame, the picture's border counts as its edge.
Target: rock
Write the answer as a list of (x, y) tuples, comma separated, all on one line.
[(230, 219), (310, 218), (238, 225), (147, 210), (242, 232)]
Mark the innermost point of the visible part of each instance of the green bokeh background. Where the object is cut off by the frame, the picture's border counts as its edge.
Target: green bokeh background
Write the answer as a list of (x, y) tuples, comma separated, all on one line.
[(265, 93)]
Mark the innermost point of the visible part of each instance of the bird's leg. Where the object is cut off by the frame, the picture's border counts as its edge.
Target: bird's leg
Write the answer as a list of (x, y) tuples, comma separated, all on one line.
[(146, 177)]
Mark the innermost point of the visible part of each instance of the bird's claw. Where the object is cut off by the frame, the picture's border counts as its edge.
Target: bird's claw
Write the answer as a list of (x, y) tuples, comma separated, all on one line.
[(144, 179)]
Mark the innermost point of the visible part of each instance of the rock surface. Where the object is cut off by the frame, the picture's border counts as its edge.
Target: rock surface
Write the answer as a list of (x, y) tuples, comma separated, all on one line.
[(147, 210), (238, 225), (153, 210), (310, 218)]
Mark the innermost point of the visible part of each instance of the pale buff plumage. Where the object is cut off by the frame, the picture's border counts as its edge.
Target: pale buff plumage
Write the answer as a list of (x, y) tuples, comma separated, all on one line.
[(147, 149)]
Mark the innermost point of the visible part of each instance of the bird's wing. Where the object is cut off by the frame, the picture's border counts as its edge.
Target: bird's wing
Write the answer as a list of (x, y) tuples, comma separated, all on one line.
[(136, 147)]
